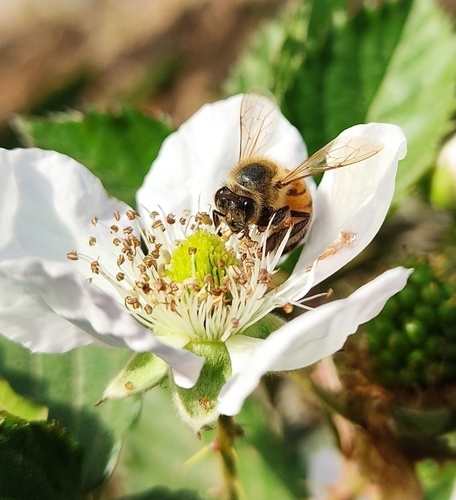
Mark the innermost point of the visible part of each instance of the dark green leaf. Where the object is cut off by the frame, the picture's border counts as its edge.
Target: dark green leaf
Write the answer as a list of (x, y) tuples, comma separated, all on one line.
[(118, 148), (165, 494), (38, 460)]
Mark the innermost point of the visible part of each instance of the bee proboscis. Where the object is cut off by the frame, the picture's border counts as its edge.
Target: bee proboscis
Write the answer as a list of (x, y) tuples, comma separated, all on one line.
[(260, 192)]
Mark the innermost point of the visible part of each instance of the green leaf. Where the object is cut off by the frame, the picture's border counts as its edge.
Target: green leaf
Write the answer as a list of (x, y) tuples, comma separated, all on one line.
[(69, 385), (119, 148), (266, 454), (19, 406), (437, 479), (417, 91), (156, 449), (38, 460), (333, 88)]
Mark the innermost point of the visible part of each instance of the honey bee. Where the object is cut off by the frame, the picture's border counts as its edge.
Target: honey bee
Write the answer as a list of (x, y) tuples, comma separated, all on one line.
[(260, 192)]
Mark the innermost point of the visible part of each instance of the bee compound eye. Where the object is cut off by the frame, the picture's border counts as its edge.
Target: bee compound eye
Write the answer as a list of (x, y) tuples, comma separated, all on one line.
[(248, 207)]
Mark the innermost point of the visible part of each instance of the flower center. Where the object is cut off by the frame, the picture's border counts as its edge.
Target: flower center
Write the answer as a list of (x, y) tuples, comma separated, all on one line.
[(178, 278), (202, 256)]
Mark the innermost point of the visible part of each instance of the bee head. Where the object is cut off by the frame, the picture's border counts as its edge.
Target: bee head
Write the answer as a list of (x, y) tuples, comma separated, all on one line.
[(237, 210)]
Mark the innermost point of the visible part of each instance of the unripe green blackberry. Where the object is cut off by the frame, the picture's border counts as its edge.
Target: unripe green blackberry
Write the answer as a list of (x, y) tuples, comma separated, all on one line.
[(412, 342)]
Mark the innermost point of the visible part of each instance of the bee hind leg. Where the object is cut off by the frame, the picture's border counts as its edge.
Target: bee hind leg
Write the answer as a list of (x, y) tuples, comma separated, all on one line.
[(297, 233)]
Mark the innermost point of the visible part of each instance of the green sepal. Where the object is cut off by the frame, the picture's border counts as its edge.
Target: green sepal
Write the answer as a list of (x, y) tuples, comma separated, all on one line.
[(19, 406), (263, 328), (198, 406), (143, 372)]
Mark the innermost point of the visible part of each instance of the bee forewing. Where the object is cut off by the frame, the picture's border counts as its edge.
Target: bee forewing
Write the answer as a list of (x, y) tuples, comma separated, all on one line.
[(258, 120), (338, 153)]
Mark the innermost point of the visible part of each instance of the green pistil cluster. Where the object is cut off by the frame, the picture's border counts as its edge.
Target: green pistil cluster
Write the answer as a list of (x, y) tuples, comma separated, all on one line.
[(413, 340), (201, 256)]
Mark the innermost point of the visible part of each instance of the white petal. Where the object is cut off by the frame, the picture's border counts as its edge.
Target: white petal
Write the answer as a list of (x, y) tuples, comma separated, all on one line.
[(47, 201), (312, 336), (194, 161), (352, 201), (48, 308), (241, 349)]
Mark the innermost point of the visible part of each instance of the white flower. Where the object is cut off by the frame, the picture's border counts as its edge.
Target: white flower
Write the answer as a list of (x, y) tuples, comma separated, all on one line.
[(143, 294)]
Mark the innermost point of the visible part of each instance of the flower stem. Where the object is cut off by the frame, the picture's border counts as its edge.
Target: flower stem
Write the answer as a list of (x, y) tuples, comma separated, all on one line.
[(227, 432)]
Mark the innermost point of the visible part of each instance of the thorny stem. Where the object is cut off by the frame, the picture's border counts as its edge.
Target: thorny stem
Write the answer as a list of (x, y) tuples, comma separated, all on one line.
[(227, 432)]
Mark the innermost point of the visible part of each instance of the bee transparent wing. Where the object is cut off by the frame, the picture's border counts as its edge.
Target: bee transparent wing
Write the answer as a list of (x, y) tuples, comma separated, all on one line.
[(258, 120), (338, 153)]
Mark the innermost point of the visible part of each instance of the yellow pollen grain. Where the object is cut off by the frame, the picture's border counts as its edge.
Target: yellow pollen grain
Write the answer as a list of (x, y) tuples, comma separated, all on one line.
[(287, 308)]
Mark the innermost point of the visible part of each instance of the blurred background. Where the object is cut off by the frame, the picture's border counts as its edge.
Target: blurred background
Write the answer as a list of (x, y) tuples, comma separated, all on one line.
[(163, 56)]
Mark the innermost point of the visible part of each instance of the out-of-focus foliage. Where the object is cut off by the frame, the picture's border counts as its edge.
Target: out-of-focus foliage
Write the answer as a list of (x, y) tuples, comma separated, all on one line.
[(437, 479), (268, 464)]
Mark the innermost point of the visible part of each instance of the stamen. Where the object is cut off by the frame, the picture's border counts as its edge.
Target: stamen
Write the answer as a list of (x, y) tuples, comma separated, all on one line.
[(300, 304)]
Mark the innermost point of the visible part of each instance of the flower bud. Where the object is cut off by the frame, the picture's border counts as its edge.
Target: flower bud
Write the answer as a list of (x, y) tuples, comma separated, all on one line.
[(443, 186)]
